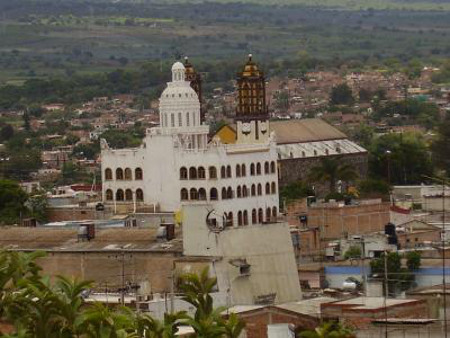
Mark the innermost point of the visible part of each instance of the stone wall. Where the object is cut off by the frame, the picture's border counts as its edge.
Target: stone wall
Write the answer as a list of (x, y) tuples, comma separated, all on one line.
[(105, 268), (298, 169)]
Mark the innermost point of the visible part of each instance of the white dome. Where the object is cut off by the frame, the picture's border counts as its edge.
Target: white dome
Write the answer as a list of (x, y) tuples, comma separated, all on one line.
[(178, 93), (178, 66)]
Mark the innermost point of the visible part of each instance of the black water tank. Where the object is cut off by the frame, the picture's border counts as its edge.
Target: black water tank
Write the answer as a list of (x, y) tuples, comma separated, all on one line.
[(389, 229)]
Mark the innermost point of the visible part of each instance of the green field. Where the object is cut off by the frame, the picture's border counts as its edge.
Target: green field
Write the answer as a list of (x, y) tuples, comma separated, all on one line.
[(46, 38)]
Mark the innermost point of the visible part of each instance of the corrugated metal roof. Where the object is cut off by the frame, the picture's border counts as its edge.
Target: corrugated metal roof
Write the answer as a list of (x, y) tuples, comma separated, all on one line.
[(305, 130)]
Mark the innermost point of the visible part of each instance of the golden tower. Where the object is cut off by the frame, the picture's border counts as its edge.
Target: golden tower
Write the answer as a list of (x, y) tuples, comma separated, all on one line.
[(196, 83)]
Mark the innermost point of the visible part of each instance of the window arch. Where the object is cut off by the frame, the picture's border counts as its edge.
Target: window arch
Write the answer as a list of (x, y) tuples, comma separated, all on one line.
[(260, 216), (224, 193), (245, 217), (228, 171), (212, 172), (223, 172), (244, 191), (109, 195), (139, 195), (128, 174), (183, 173), (266, 167), (213, 194), (201, 172), (184, 195), (268, 216), (274, 213), (238, 170), (258, 168), (119, 174), (273, 188), (252, 169), (272, 167), (229, 219), (202, 194), (253, 190), (229, 192), (193, 194), (192, 173), (243, 170), (128, 195), (138, 174), (240, 218), (108, 174), (259, 189), (267, 188), (238, 192), (254, 217), (119, 195)]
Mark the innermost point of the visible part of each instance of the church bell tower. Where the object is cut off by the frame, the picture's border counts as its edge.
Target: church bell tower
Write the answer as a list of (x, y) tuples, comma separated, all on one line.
[(196, 83), (252, 116)]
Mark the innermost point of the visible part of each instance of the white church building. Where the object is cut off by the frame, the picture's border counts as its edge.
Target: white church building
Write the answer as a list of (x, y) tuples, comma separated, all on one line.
[(176, 163)]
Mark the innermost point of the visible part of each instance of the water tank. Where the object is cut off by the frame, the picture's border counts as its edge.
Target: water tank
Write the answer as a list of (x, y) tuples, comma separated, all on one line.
[(349, 286), (389, 229)]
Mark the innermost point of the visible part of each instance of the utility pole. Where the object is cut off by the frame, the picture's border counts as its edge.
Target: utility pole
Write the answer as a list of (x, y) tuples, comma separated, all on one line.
[(385, 295)]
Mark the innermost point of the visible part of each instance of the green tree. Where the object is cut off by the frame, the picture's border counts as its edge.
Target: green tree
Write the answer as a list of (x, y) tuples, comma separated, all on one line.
[(413, 260), (328, 330), (341, 94), (404, 158), (12, 202), (353, 252), (294, 191), (441, 146), (38, 205), (374, 188), (6, 132), (331, 170)]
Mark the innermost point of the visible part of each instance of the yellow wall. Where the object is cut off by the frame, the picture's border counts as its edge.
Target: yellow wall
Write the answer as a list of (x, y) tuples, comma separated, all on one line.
[(227, 135)]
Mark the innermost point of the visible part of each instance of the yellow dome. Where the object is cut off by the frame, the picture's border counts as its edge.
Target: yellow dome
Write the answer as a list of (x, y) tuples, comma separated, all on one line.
[(250, 69)]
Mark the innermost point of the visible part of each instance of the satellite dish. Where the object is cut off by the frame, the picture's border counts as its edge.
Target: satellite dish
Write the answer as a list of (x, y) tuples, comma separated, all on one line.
[(215, 222)]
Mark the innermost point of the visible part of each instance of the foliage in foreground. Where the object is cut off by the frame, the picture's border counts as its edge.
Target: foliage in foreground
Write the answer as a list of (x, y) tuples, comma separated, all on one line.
[(38, 307)]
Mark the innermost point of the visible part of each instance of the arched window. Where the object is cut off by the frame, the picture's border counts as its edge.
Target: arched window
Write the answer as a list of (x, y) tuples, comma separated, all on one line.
[(238, 170), (253, 190), (108, 174), (228, 171), (183, 173), (213, 194), (224, 193), (119, 195), (260, 216), (139, 195), (272, 167), (202, 194), (259, 189), (273, 188), (138, 174), (201, 173), (254, 217), (128, 174), (192, 173), (119, 174), (238, 192), (258, 168), (229, 192), (109, 195), (245, 217), (244, 191), (239, 218), (212, 172), (268, 217), (229, 219), (243, 170), (267, 188), (184, 195), (252, 169), (223, 173), (193, 194), (128, 195), (274, 213), (266, 167)]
